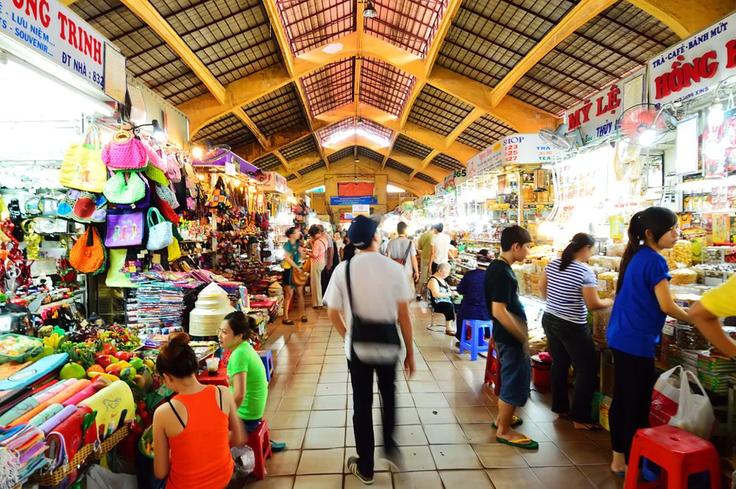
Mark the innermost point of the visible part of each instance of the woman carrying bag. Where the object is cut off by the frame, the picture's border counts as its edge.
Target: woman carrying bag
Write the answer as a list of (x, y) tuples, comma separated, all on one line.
[(292, 267), (570, 289)]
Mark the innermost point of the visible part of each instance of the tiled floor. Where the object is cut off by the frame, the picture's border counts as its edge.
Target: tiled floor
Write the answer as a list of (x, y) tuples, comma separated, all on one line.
[(444, 423)]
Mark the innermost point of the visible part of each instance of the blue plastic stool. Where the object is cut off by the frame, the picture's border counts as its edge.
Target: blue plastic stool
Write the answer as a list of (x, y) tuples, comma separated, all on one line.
[(267, 359), (477, 342)]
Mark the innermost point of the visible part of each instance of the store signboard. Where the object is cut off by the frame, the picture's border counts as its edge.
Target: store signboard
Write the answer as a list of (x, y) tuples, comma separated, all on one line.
[(365, 200), (273, 182), (527, 148), (58, 34), (361, 210), (695, 65), (486, 161)]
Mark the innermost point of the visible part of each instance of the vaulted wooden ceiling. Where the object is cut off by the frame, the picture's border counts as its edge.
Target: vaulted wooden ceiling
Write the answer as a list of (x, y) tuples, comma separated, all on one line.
[(299, 85)]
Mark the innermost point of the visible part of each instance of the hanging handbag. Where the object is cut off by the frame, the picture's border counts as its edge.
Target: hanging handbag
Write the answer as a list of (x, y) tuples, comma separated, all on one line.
[(173, 252), (124, 229), (173, 170), (125, 188), (115, 275), (157, 175), (154, 158), (167, 195), (82, 167), (373, 342), (124, 152), (160, 233), (88, 254), (166, 210)]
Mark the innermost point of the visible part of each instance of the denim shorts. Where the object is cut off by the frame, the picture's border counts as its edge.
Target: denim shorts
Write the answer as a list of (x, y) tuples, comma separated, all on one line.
[(516, 374)]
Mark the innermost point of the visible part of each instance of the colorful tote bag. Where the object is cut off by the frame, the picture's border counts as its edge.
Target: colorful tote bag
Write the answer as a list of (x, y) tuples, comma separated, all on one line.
[(160, 233), (82, 167), (124, 230), (124, 152), (88, 254), (125, 188), (116, 277)]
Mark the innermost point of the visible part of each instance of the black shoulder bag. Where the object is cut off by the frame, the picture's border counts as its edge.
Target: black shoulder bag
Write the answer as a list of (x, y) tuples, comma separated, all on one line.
[(373, 342)]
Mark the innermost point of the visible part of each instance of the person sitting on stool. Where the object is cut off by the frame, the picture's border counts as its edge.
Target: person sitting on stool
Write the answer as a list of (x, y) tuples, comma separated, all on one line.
[(472, 288), (441, 296)]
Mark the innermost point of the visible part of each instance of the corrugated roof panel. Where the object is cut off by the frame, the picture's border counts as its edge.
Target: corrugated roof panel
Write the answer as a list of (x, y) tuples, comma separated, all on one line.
[(407, 145), (310, 24), (340, 154), (447, 162), (227, 130), (438, 111), (312, 167), (370, 154), (384, 86), (484, 132), (278, 111), (304, 146), (330, 87), (409, 24), (392, 163), (426, 178), (327, 133), (268, 162)]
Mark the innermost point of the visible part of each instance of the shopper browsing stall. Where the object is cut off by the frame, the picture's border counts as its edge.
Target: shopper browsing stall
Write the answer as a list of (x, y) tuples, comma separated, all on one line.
[(317, 265), (441, 297), (440, 246), (424, 245), (292, 265), (570, 289), (401, 250), (643, 301), (716, 303), (198, 420), (511, 335)]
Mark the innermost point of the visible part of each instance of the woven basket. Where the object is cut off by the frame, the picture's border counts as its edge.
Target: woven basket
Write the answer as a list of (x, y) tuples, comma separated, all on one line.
[(87, 453)]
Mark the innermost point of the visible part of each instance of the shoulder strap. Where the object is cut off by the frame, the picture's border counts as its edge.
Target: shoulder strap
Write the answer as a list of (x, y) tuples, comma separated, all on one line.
[(176, 413), (219, 391), (347, 281), (408, 250)]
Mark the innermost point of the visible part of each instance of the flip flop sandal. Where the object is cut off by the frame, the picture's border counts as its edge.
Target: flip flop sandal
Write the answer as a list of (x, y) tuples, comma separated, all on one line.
[(288, 322), (449, 333), (527, 443), (515, 421), (619, 474)]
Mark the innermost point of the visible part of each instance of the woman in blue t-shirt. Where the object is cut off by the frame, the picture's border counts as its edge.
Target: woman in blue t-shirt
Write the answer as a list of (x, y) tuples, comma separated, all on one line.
[(643, 301), (571, 289)]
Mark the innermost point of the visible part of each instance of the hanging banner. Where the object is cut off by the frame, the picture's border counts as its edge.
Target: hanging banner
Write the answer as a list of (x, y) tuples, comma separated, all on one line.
[(354, 189), (273, 182), (596, 116), (486, 161), (366, 200), (695, 65), (361, 210), (57, 33), (527, 149)]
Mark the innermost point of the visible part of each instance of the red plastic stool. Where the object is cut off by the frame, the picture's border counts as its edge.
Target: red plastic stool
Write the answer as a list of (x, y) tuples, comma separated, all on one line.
[(493, 368), (677, 452), (260, 442)]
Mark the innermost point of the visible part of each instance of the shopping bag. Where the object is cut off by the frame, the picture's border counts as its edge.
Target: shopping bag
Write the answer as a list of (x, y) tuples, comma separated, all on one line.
[(174, 251), (88, 255), (665, 397), (124, 230), (116, 277), (694, 412), (82, 167), (124, 152), (99, 477), (125, 188), (160, 232), (680, 407)]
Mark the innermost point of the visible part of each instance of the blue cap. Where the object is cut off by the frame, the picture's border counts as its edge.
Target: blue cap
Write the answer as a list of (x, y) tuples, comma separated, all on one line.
[(361, 231)]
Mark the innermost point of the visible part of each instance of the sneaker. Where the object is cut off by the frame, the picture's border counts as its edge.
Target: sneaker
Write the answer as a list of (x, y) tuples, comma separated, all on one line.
[(353, 468)]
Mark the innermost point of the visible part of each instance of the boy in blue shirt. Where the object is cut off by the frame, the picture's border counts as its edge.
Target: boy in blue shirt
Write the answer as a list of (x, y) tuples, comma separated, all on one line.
[(511, 335)]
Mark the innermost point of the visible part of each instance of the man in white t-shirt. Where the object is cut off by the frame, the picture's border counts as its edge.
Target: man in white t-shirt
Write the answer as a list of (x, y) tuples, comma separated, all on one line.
[(380, 294), (402, 250), (440, 247)]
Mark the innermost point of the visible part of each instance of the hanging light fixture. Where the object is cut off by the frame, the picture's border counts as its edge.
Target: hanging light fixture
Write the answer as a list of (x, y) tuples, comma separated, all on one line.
[(369, 11)]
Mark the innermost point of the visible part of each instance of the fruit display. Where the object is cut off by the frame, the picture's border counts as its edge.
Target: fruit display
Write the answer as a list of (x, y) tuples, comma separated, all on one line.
[(19, 348), (683, 276), (145, 444)]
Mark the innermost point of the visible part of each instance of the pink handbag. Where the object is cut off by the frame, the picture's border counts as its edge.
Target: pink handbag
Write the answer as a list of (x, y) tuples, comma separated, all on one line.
[(173, 171), (124, 152), (154, 158)]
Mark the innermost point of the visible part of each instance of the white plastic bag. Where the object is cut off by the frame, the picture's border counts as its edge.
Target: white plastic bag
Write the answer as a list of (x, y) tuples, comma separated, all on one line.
[(695, 412), (245, 460), (679, 406), (101, 478)]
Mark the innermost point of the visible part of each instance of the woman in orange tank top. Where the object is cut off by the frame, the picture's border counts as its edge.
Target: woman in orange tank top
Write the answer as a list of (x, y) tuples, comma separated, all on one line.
[(193, 431)]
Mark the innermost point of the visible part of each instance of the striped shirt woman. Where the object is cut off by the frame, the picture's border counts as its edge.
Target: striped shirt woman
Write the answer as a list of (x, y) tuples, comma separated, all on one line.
[(570, 288)]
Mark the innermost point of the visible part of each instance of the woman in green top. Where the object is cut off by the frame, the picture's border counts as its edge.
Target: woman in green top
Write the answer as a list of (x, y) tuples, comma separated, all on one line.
[(292, 260), (245, 371)]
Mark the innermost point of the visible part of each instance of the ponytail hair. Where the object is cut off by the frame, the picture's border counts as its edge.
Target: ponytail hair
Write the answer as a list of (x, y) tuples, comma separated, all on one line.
[(176, 357), (579, 241), (658, 220), (241, 324)]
